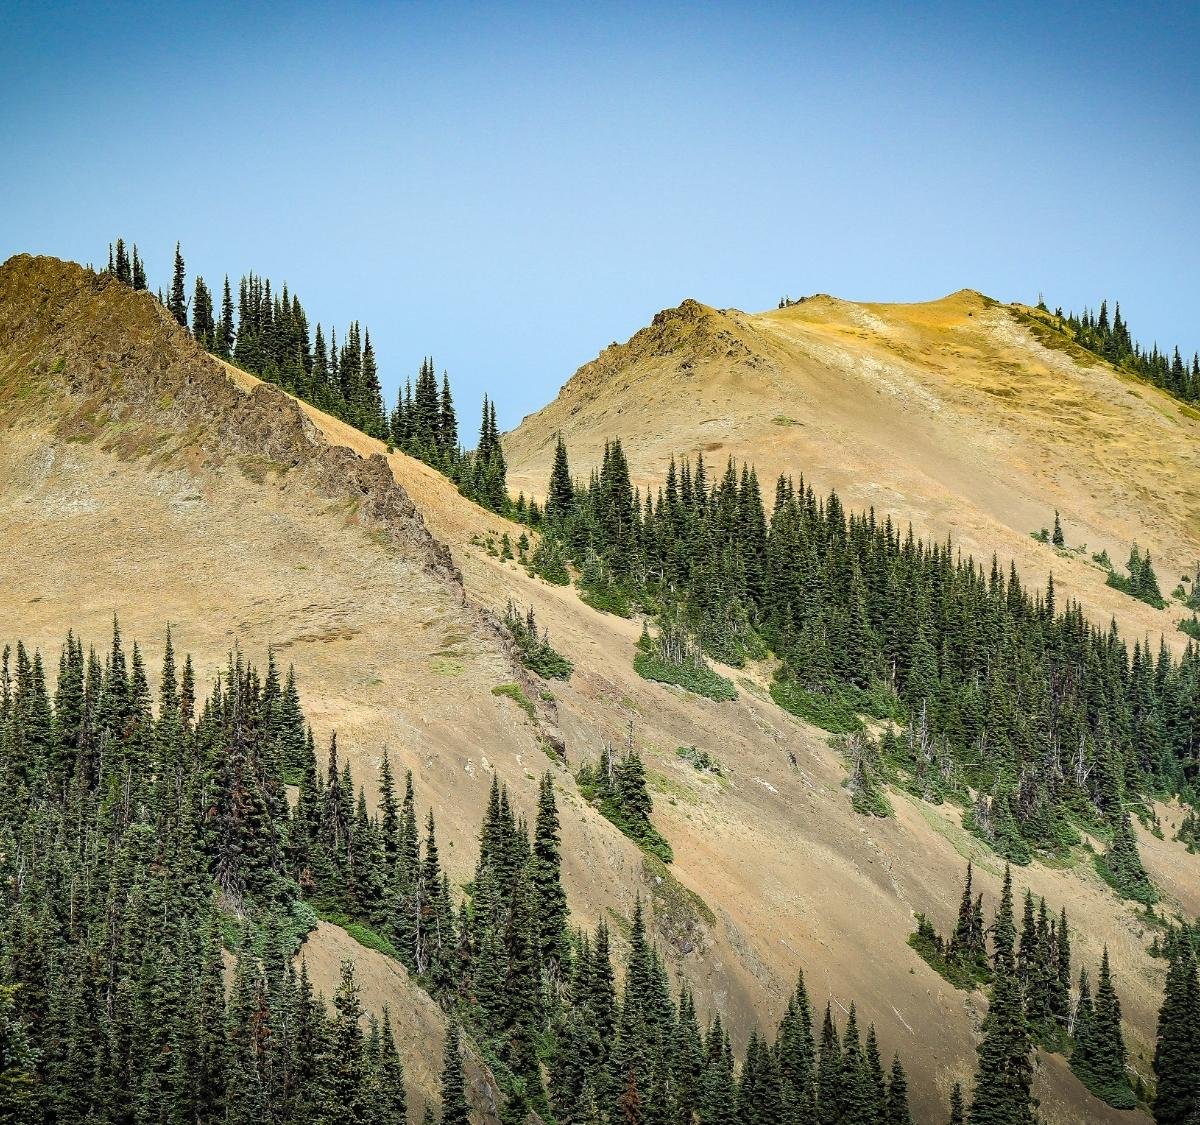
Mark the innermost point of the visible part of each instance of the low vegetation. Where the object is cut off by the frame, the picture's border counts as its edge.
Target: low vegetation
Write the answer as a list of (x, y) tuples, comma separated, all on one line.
[(533, 647), (672, 658), (1141, 582), (700, 760)]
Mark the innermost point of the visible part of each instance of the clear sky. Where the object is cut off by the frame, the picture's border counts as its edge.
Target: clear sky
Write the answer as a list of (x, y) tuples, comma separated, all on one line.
[(513, 187)]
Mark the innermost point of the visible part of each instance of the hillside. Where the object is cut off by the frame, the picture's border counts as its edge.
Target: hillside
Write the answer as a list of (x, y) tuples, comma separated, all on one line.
[(967, 417), (143, 478)]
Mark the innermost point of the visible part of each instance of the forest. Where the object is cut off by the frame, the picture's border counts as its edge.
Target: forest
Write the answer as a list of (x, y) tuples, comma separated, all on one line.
[(158, 881), (991, 695), (940, 674)]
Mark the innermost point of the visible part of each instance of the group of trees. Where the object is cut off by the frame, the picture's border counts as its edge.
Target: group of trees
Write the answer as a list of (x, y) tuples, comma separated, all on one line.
[(1142, 582), (1112, 340), (267, 332), (999, 691), (126, 264), (137, 851), (140, 846), (1032, 1002)]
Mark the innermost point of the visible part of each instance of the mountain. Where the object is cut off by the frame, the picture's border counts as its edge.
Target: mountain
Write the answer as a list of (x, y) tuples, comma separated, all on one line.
[(967, 417), (144, 478)]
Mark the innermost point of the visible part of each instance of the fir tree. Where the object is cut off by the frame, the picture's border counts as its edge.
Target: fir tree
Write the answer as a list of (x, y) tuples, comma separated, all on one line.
[(177, 301)]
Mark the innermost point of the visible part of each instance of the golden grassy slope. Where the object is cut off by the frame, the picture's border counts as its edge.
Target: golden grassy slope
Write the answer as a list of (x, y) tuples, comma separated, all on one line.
[(118, 496), (954, 414), (791, 876)]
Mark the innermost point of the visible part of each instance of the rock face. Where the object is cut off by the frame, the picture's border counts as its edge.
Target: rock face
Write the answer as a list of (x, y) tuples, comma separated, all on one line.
[(122, 359)]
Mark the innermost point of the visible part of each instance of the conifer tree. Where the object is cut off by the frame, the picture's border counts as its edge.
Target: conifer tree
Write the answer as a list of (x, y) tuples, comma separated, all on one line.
[(177, 301), (455, 1110), (1177, 1050), (560, 495), (1099, 1055)]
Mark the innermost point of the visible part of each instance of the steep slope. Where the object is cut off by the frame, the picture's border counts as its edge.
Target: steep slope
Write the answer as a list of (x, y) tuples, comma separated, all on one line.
[(139, 480), (142, 477), (966, 416), (783, 873)]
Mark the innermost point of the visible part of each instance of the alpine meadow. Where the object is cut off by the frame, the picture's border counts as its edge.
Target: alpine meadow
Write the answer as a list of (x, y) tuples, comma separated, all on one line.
[(792, 719)]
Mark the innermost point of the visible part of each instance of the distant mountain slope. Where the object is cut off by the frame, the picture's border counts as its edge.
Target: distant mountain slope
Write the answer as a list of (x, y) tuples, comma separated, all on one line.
[(142, 477), (966, 416)]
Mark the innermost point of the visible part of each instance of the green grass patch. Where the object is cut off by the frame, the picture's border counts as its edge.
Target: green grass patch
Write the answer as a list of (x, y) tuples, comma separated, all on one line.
[(607, 600), (514, 692), (360, 932), (680, 914)]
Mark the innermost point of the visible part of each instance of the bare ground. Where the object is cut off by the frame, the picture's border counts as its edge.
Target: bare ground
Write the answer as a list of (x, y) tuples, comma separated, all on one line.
[(774, 870)]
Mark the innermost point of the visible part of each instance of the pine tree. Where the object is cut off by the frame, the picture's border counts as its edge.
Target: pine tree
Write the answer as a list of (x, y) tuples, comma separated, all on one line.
[(1177, 1051), (1099, 1055), (1004, 1077), (455, 1110), (560, 495), (226, 329), (177, 301)]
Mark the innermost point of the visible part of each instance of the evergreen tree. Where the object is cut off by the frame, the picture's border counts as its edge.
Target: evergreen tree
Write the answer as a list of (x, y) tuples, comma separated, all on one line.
[(177, 301), (455, 1110), (1177, 1051)]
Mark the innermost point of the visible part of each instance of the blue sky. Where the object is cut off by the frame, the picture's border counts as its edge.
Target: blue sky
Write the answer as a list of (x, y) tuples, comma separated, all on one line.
[(511, 188)]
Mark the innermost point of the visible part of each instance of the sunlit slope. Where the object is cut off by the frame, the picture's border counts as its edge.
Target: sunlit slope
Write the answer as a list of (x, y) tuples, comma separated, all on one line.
[(142, 477), (775, 871), (967, 417)]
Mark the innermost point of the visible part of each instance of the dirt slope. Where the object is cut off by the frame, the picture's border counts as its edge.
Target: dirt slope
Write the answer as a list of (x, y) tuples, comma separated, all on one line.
[(784, 874), (142, 477), (965, 416)]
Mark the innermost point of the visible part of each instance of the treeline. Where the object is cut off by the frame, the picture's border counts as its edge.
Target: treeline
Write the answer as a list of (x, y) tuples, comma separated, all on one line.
[(1003, 699), (141, 845), (1111, 339), (268, 333)]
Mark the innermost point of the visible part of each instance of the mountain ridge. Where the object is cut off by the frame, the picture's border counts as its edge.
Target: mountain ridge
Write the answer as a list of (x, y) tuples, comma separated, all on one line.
[(952, 414), (791, 875)]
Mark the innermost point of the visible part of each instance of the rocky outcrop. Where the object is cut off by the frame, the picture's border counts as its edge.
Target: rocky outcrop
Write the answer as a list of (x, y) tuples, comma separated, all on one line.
[(138, 382)]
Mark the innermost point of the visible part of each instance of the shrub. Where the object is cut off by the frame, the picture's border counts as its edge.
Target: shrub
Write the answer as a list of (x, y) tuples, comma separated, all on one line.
[(699, 679), (828, 710), (360, 932), (700, 760), (514, 692), (549, 562)]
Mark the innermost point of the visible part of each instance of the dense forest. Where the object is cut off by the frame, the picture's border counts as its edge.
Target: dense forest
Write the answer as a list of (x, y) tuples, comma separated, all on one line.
[(1112, 340), (1000, 698), (157, 881)]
